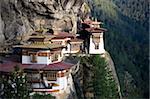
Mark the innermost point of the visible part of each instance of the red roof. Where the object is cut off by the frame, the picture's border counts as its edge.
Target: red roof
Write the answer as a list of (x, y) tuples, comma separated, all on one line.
[(33, 66), (58, 66), (76, 40), (8, 66), (64, 35), (95, 30)]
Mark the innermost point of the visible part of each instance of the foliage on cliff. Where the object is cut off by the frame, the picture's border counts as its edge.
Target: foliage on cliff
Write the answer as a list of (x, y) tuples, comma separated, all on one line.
[(101, 83), (14, 85), (38, 96), (127, 42)]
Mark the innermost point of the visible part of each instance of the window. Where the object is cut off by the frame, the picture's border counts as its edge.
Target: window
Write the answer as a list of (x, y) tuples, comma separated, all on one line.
[(96, 46), (51, 76), (54, 57), (33, 57)]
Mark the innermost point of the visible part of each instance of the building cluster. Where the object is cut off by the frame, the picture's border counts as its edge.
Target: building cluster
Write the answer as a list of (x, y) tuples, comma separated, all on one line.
[(43, 56)]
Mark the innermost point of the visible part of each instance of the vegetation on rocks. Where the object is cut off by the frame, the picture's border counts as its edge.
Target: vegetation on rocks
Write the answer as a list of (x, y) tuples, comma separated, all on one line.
[(38, 96), (127, 42), (14, 85), (101, 84)]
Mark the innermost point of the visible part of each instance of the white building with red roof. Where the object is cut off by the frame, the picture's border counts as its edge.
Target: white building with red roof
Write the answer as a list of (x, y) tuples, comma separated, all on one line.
[(42, 57), (42, 60), (95, 40)]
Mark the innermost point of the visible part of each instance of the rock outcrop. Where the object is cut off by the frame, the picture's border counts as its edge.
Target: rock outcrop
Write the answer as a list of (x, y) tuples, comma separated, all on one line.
[(18, 18)]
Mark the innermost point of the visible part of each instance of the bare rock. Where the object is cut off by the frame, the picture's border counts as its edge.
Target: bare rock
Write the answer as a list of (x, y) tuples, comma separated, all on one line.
[(18, 18)]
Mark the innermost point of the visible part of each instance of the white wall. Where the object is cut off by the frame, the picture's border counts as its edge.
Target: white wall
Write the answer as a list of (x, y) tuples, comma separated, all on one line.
[(40, 60), (101, 49), (37, 85), (64, 51), (62, 81)]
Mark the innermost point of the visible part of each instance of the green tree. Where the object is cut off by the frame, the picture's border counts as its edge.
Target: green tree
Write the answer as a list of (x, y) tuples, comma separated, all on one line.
[(15, 85), (38, 96), (103, 81), (126, 40)]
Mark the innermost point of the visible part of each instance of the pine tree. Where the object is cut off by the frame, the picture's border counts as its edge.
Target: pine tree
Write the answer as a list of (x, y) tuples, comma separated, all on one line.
[(103, 82)]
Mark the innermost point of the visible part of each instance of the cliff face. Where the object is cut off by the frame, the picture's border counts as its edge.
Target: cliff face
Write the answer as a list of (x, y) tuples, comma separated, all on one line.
[(97, 78), (127, 40), (18, 18)]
